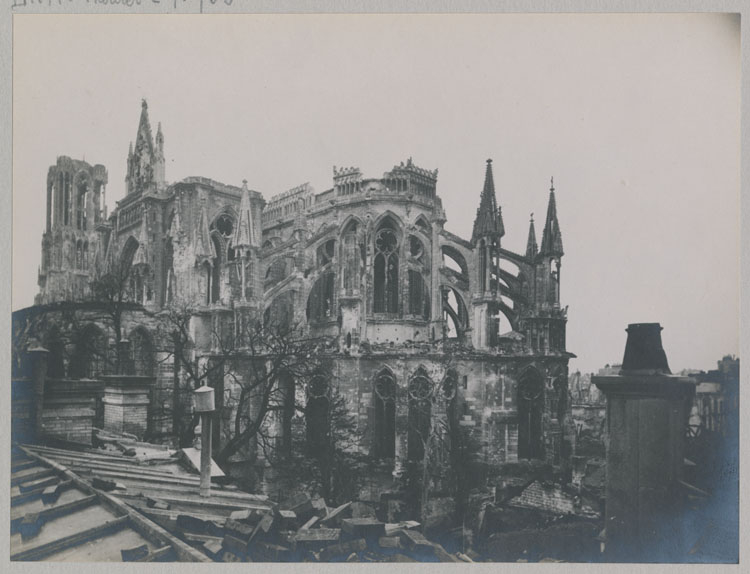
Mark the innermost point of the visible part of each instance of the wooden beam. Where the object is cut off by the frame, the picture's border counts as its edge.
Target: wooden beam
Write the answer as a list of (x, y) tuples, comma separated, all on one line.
[(23, 465), (57, 511), (50, 548), (143, 525)]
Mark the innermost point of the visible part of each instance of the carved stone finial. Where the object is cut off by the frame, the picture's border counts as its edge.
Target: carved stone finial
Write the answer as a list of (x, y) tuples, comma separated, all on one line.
[(552, 183)]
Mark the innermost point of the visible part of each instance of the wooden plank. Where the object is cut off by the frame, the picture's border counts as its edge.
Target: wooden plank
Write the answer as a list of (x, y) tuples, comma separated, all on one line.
[(88, 455), (157, 490), (56, 511), (23, 465), (134, 469), (42, 483), (139, 522), (41, 552), (215, 504), (20, 479)]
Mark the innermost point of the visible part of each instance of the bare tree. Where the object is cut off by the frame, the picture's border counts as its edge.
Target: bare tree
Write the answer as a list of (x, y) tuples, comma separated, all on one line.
[(252, 355)]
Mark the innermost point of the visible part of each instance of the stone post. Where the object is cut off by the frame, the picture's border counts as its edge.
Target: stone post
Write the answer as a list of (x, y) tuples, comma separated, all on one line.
[(647, 410), (39, 357), (126, 402)]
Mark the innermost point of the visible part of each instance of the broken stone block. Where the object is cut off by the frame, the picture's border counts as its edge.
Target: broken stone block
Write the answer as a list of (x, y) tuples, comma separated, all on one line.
[(50, 494), (316, 539), (363, 527), (103, 484), (335, 516), (235, 545), (30, 525), (133, 554), (213, 548), (266, 523), (416, 542), (287, 520), (352, 557), (238, 529), (190, 523), (389, 542), (392, 529), (344, 549), (157, 504), (240, 515)]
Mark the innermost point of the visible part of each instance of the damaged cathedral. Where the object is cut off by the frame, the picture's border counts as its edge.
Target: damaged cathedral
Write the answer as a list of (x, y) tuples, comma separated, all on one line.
[(414, 324)]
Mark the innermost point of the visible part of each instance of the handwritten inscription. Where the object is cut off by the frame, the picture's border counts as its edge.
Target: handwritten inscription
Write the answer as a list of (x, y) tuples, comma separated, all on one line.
[(16, 4)]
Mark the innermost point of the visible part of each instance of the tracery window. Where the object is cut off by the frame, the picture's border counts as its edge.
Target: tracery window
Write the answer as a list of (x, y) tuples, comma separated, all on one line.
[(320, 303), (386, 269), (384, 425)]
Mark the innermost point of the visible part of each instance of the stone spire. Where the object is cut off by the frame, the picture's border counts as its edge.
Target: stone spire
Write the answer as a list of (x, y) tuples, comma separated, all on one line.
[(531, 247), (489, 220), (551, 238), (159, 161), (204, 247), (245, 233), (144, 137)]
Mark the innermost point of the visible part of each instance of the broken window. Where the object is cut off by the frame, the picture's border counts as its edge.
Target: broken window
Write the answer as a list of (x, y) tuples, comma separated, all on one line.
[(420, 413), (384, 427), (142, 353), (326, 252), (56, 348), (320, 303), (89, 358), (216, 270), (386, 269), (280, 313), (316, 415), (207, 276), (419, 299), (168, 271), (530, 401), (81, 200), (353, 259), (249, 279)]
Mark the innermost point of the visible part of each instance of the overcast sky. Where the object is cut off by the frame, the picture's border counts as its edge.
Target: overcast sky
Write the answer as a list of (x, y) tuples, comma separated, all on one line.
[(636, 116)]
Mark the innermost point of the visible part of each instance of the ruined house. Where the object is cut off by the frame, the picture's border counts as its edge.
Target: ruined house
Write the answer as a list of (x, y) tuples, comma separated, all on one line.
[(424, 324)]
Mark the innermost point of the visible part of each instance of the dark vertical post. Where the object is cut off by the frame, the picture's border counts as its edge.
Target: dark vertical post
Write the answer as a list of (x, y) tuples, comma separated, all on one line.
[(39, 358), (647, 410), (206, 454)]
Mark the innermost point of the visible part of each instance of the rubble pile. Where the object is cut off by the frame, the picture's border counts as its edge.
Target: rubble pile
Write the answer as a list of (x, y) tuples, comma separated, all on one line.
[(305, 529)]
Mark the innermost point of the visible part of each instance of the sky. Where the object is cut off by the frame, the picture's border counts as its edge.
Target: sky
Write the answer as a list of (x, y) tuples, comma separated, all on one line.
[(637, 117)]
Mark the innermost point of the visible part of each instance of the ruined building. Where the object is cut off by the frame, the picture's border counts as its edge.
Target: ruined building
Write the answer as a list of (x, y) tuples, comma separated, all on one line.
[(465, 329)]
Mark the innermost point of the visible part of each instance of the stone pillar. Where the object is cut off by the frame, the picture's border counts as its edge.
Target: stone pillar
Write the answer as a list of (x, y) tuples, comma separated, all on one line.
[(647, 410), (39, 357), (126, 401)]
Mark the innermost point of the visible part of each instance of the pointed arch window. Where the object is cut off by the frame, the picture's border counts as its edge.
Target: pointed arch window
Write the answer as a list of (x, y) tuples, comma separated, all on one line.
[(384, 413), (386, 285)]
